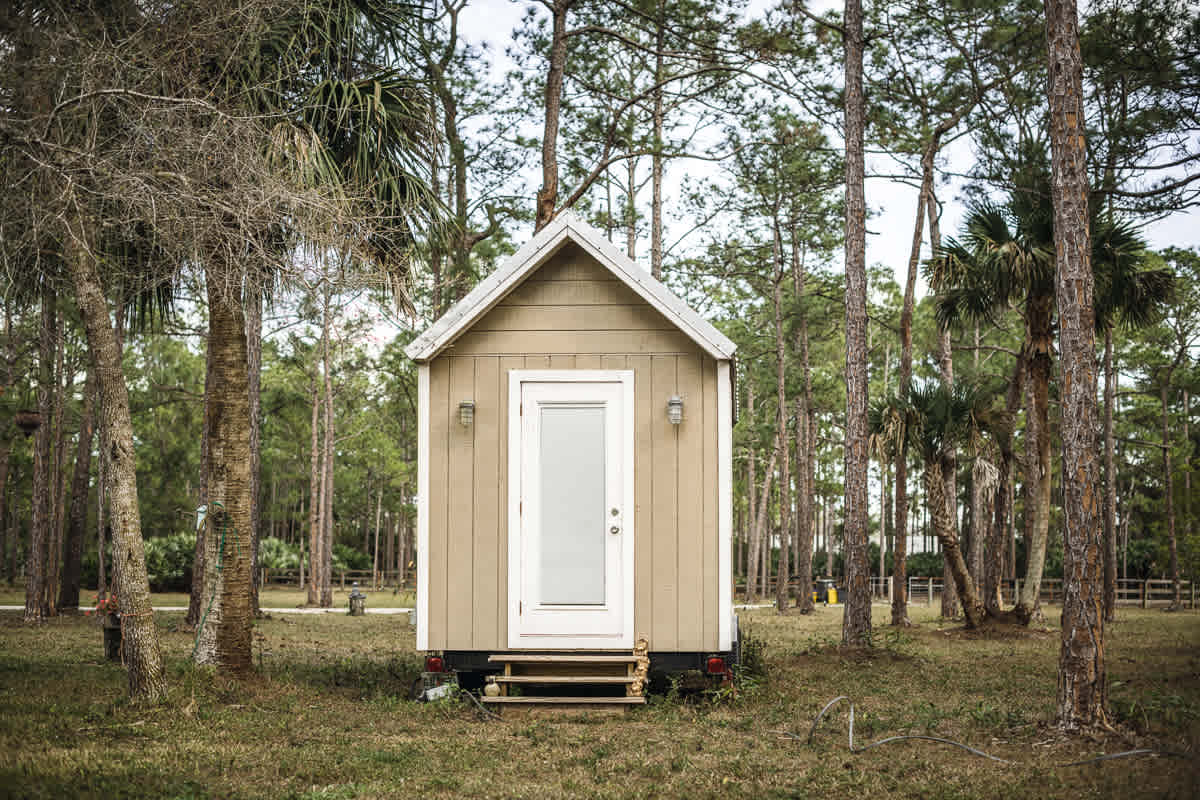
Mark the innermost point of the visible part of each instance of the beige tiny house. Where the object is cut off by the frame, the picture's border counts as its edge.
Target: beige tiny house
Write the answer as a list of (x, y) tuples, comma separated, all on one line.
[(574, 461)]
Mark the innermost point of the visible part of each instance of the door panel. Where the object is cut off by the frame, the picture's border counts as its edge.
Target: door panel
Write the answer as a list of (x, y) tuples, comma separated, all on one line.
[(572, 576)]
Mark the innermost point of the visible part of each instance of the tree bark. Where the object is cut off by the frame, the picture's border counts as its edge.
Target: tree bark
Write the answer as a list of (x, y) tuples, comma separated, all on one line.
[(68, 596), (196, 597), (1082, 689), (935, 488), (1110, 484), (224, 637), (1039, 467), (785, 477), (804, 459), (314, 501), (759, 545), (1169, 496), (37, 557), (254, 308), (547, 195), (656, 158), (58, 468), (327, 460), (143, 656), (856, 620)]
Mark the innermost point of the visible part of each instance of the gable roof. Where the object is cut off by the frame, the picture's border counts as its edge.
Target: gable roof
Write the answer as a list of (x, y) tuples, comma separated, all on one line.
[(567, 227)]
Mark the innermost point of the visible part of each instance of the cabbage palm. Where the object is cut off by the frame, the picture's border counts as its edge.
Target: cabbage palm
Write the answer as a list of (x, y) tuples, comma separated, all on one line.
[(347, 125), (945, 418), (1005, 258), (893, 425)]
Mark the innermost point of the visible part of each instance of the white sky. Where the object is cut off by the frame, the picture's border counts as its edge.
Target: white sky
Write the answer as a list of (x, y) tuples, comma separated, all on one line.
[(892, 204)]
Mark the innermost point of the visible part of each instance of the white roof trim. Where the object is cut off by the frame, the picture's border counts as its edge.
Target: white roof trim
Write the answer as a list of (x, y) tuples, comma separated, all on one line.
[(492, 289)]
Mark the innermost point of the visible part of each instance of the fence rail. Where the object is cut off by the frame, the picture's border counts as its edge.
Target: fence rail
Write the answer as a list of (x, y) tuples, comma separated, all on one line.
[(1149, 593), (392, 579)]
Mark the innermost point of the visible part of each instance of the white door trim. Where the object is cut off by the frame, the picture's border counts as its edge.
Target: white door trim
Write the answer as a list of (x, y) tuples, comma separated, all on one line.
[(515, 567)]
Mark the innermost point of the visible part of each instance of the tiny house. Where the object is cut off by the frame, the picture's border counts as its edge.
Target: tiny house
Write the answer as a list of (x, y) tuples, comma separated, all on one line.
[(575, 465)]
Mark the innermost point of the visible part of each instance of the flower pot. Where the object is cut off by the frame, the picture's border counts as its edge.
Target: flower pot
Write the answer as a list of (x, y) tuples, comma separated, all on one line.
[(111, 625)]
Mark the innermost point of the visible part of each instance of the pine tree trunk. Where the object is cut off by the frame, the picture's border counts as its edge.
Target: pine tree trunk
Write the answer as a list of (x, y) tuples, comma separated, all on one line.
[(6, 531), (856, 620), (1169, 497), (68, 596), (314, 501), (1082, 691), (804, 436), (58, 469), (224, 637), (327, 462), (998, 533), (547, 195), (759, 544), (1110, 485), (143, 656), (37, 556), (785, 479), (656, 158)]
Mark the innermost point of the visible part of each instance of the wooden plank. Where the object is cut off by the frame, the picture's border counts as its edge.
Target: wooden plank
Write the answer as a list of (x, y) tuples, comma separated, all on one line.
[(579, 293), (546, 658), (566, 361), (588, 361), (506, 364), (569, 701), (489, 503), (439, 500), (664, 509), (643, 495), (574, 318), (548, 679), (689, 533), (515, 342), (711, 539), (460, 517)]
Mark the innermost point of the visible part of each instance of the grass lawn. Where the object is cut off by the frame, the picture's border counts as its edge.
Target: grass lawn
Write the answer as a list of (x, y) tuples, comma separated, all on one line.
[(325, 717), (271, 597)]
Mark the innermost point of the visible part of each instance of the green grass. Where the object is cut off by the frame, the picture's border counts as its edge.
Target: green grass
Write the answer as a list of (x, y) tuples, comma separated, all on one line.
[(324, 716), (271, 597)]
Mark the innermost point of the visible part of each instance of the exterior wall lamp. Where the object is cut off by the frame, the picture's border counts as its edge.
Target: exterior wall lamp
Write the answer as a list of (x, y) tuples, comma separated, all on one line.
[(466, 413), (675, 409)]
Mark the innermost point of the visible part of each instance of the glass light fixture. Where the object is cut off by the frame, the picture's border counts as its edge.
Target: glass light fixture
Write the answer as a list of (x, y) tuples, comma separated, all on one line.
[(675, 409), (466, 413)]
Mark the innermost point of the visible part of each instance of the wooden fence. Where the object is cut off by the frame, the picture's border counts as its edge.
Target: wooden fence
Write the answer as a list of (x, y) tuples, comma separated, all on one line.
[(1149, 593), (391, 579)]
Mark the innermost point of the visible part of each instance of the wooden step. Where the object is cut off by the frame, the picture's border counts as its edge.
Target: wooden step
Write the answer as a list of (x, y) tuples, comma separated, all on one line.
[(521, 658), (567, 701), (564, 679)]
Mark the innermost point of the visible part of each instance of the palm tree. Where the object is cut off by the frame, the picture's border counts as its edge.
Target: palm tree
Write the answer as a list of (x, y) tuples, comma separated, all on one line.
[(944, 418), (1005, 258), (352, 127)]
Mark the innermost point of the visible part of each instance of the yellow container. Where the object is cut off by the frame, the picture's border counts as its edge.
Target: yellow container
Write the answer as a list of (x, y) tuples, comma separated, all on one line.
[(832, 594)]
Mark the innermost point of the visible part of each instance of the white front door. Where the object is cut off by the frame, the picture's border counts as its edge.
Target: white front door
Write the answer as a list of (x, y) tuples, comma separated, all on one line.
[(571, 479)]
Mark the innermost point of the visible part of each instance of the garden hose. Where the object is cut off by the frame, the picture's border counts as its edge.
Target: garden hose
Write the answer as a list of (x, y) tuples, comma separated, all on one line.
[(220, 566)]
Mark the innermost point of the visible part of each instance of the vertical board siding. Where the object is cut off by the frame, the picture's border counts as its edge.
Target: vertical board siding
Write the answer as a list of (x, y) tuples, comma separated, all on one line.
[(675, 467), (488, 501), (439, 500), (461, 513), (664, 460), (711, 540), (690, 480)]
